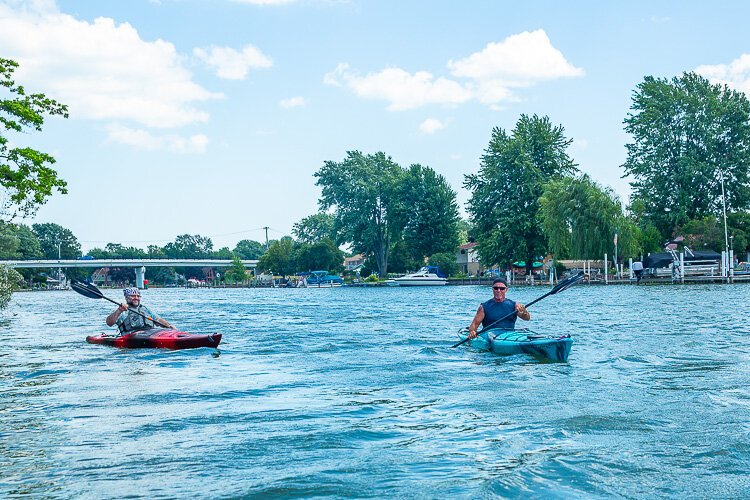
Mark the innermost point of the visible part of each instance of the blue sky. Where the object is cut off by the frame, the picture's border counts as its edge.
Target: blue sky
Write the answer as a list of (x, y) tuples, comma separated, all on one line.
[(211, 116)]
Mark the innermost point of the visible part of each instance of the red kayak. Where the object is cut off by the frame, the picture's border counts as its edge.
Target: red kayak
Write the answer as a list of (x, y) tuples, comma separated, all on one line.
[(158, 338)]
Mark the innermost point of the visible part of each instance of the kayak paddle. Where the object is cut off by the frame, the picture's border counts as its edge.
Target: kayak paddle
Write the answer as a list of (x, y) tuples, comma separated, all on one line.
[(91, 291), (563, 285)]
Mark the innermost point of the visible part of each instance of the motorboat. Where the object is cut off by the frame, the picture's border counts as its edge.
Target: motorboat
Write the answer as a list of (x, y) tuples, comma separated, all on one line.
[(427, 276), (321, 279)]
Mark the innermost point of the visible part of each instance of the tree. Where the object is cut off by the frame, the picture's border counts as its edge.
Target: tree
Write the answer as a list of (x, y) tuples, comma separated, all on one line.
[(579, 219), (236, 273), (686, 132), (249, 249), (428, 213), (362, 191), (279, 258), (26, 175), (323, 254), (223, 253), (505, 193), (10, 280), (706, 233), (29, 247), (187, 246), (51, 235), (446, 261), (315, 228)]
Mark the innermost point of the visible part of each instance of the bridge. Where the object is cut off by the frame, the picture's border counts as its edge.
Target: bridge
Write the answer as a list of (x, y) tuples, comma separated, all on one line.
[(139, 265)]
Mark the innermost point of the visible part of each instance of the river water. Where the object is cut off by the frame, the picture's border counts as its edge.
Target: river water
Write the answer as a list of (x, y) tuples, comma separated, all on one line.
[(355, 393)]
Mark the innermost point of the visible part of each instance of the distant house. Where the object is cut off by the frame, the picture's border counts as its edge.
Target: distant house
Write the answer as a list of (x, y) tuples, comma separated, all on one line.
[(467, 259), (101, 276), (353, 262)]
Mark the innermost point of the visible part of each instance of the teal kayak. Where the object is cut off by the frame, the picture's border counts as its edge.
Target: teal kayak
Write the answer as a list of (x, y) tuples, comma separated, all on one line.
[(511, 342)]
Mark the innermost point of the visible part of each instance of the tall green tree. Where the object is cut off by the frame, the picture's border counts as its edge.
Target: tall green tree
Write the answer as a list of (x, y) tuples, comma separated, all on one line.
[(686, 133), (579, 218), (315, 228), (429, 213), (362, 190), (188, 246), (505, 192), (53, 238), (279, 259), (249, 249), (236, 273), (29, 247), (321, 255), (26, 175)]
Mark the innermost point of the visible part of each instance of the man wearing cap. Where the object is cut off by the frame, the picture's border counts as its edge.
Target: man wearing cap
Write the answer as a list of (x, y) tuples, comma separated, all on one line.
[(132, 320), (496, 308)]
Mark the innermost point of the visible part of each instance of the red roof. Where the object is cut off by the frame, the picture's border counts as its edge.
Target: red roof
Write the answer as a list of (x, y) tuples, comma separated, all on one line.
[(468, 245)]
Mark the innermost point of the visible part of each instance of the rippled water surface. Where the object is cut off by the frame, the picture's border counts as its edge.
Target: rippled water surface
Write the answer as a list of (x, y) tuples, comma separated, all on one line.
[(355, 392)]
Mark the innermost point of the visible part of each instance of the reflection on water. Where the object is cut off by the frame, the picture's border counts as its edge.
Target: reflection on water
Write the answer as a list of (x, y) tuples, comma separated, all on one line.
[(355, 392)]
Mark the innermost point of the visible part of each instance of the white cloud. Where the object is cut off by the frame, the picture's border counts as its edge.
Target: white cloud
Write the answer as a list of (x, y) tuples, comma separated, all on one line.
[(518, 61), (404, 90), (431, 125), (488, 76), (292, 102), (455, 156), (232, 64), (736, 74), (145, 140), (102, 70)]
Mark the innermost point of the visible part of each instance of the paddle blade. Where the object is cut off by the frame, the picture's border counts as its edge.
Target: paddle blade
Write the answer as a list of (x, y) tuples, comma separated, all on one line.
[(86, 289), (567, 283)]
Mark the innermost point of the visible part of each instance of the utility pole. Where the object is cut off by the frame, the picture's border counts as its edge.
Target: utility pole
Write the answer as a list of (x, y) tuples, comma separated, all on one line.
[(266, 228), (726, 239), (59, 269)]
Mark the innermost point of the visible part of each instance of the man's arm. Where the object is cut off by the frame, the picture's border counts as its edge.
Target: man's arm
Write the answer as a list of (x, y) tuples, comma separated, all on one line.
[(522, 312), (478, 317), (112, 318)]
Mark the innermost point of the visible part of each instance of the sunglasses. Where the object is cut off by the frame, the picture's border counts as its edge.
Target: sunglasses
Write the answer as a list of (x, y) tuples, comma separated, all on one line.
[(499, 287)]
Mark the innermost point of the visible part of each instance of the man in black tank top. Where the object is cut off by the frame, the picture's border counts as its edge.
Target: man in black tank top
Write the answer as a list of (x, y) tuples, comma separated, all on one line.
[(496, 308)]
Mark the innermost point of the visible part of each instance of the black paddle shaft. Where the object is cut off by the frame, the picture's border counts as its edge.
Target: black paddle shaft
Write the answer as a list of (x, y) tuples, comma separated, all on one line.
[(91, 291), (563, 285)]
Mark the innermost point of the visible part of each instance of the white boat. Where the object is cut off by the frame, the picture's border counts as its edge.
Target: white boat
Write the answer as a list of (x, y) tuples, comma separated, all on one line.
[(427, 276)]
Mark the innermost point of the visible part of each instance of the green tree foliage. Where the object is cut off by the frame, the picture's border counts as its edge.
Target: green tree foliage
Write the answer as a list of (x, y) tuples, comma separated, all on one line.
[(29, 247), (249, 249), (50, 235), (279, 259), (685, 131), (505, 193), (400, 259), (321, 255), (362, 190), (428, 213), (315, 228), (223, 253), (579, 218), (739, 227), (155, 252), (236, 273), (26, 175), (706, 233), (187, 246), (446, 261), (117, 251), (10, 280)]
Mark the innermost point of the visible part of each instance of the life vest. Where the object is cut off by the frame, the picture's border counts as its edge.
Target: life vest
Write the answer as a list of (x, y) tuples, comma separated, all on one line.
[(129, 321)]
